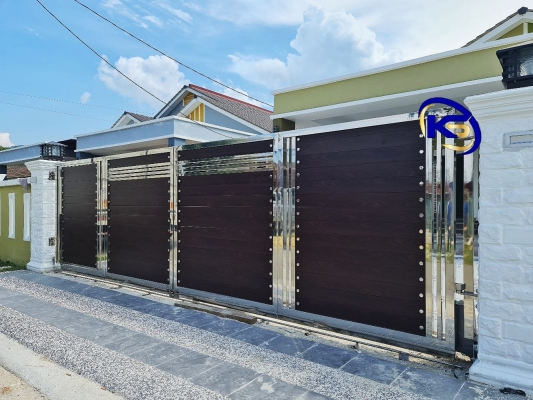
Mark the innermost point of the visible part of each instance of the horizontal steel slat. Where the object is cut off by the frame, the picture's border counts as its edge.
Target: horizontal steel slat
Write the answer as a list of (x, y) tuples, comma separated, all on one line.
[(147, 167)]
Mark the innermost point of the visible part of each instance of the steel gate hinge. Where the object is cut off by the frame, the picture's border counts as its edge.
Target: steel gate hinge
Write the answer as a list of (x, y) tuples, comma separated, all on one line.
[(460, 289)]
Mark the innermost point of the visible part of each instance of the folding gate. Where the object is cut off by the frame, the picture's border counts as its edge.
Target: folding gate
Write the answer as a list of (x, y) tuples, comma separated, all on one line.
[(360, 229)]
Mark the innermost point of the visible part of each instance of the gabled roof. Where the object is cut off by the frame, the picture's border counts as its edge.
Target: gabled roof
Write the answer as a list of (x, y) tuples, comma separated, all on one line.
[(521, 11), (250, 113), (17, 171), (135, 116)]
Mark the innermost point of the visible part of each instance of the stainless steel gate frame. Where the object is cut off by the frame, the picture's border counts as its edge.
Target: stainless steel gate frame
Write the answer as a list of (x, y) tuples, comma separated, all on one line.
[(450, 254)]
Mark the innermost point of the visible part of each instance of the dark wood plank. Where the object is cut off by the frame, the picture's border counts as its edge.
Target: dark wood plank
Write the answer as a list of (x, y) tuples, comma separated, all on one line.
[(244, 234), (263, 146), (369, 156), (75, 186), (262, 213), (223, 256), (260, 224), (134, 238), (154, 199), (226, 179), (139, 211), (139, 269), (227, 190), (408, 244), (240, 292), (379, 273), (139, 254), (399, 128), (208, 244), (358, 171), (366, 201), (78, 170), (361, 142), (369, 228), (377, 318), (356, 285), (140, 160), (360, 257), (230, 201), (208, 270), (138, 230), (77, 199), (76, 259), (137, 184), (392, 213), (79, 210), (150, 224)]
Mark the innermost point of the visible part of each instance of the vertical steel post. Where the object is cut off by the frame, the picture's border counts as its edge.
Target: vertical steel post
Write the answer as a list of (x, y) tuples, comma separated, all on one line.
[(277, 224), (468, 243), (431, 312), (173, 216)]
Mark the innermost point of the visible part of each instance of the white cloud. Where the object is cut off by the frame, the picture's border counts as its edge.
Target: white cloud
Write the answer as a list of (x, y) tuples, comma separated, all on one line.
[(174, 11), (84, 98), (120, 8), (326, 45), (157, 74), (154, 20), (4, 140)]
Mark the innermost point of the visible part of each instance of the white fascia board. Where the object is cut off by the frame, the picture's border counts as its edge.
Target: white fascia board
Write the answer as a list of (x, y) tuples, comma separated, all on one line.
[(172, 102), (189, 108), (421, 60), (392, 119), (356, 103), (504, 28), (160, 120), (12, 182)]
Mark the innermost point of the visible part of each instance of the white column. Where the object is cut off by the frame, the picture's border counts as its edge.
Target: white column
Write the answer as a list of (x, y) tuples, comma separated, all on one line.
[(43, 215), (505, 305)]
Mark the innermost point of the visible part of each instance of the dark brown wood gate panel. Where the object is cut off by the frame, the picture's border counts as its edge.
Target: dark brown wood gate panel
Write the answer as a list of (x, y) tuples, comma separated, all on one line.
[(138, 220), (360, 223), (225, 224), (78, 215)]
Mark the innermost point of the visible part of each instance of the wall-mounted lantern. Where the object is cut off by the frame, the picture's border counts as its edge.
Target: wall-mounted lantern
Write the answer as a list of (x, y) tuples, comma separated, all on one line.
[(53, 151), (517, 64)]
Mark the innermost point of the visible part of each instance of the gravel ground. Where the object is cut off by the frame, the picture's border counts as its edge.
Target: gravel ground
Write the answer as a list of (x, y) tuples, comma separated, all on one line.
[(120, 373), (115, 372)]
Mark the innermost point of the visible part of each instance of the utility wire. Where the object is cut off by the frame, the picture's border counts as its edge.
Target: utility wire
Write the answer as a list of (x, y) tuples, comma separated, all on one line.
[(57, 112), (66, 101), (120, 72), (166, 55)]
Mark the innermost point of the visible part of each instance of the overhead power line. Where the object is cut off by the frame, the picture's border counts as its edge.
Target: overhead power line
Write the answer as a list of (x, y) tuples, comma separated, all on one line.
[(120, 72), (166, 55), (67, 101), (57, 112)]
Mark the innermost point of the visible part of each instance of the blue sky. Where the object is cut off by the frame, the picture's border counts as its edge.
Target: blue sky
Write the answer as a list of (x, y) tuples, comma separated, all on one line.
[(253, 45)]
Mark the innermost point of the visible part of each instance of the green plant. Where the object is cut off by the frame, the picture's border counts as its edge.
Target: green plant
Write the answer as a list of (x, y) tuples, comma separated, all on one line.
[(11, 266)]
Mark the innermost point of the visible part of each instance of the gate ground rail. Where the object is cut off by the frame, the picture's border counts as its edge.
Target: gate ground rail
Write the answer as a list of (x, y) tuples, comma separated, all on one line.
[(351, 226)]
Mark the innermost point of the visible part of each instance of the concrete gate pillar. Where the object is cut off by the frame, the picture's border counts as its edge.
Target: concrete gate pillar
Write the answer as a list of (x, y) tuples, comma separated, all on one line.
[(505, 306), (43, 215)]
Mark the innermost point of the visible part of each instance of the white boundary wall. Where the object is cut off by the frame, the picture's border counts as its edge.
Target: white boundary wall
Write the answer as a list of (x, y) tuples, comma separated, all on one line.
[(505, 304)]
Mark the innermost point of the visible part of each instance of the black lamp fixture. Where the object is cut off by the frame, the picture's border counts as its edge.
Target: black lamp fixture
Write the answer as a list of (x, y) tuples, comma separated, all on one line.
[(517, 64), (53, 151)]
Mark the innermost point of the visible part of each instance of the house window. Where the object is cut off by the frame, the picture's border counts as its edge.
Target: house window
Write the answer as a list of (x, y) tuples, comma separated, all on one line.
[(11, 211), (27, 216)]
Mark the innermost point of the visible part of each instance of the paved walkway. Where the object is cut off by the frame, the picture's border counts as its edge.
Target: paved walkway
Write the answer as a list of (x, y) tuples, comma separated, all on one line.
[(143, 348), (12, 387)]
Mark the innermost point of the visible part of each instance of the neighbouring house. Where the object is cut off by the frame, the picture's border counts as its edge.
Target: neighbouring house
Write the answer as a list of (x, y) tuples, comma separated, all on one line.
[(400, 88)]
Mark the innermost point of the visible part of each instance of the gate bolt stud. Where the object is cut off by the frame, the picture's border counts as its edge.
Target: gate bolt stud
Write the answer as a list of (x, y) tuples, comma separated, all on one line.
[(421, 328), (421, 311), (297, 277), (421, 199), (270, 249), (421, 231), (421, 215), (421, 263), (297, 238), (270, 286), (421, 167), (297, 304), (298, 162), (270, 261), (421, 183), (421, 151), (298, 290), (297, 139), (270, 298), (270, 237), (421, 294), (421, 279), (270, 273), (421, 247)]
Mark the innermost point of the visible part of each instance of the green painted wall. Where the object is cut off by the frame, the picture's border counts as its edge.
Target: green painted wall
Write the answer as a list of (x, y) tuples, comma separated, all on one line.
[(460, 68), (529, 28), (16, 250)]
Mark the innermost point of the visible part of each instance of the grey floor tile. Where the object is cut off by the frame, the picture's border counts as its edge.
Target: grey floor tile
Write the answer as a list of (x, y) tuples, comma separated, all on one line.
[(131, 344), (428, 384), (225, 327), (225, 378), (255, 335), (374, 368), (106, 334), (473, 391), (266, 387), (193, 318), (329, 356), (129, 301), (14, 298), (98, 293), (287, 345), (159, 353), (62, 284), (190, 364)]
